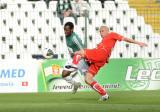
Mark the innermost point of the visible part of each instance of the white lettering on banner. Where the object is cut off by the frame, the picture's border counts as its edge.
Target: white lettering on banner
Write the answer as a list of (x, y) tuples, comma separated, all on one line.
[(12, 73), (143, 74)]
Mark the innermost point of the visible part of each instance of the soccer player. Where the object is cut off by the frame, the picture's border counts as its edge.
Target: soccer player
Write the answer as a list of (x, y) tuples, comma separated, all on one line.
[(98, 56), (74, 43)]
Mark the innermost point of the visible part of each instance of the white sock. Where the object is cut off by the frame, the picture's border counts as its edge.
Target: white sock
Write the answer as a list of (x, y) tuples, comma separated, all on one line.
[(105, 96), (70, 80)]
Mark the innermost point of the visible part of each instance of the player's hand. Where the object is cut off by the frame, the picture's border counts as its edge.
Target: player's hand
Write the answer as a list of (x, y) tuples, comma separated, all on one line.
[(77, 52), (81, 52), (142, 44)]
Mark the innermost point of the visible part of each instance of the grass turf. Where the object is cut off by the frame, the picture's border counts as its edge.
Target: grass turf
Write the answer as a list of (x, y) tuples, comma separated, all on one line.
[(120, 101)]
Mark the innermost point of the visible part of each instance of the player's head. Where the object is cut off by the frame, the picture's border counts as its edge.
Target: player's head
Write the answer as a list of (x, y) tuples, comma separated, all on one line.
[(103, 31), (68, 28)]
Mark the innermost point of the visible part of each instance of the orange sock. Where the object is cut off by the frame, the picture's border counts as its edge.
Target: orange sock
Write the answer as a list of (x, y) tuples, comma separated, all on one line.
[(76, 59), (98, 88)]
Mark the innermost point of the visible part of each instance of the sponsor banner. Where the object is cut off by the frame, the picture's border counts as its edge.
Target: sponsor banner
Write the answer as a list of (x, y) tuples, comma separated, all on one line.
[(18, 76), (48, 71), (118, 74)]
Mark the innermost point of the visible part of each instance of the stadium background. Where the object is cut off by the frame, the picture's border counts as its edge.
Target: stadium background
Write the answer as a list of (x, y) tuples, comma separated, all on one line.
[(27, 27)]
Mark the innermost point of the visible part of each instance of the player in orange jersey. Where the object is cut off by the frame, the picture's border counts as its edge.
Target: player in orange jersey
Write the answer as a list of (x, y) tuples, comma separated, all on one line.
[(98, 56)]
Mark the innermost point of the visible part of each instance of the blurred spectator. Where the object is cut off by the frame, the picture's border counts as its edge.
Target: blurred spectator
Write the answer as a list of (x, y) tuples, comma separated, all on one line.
[(80, 8), (64, 9)]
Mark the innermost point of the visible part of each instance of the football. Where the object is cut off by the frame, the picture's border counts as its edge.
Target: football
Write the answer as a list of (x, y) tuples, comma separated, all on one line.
[(48, 53)]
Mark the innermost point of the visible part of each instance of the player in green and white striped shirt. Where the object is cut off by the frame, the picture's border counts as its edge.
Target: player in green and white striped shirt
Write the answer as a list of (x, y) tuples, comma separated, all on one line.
[(74, 43)]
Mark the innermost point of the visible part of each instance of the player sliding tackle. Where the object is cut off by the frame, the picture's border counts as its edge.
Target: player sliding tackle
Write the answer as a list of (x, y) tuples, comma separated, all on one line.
[(98, 56)]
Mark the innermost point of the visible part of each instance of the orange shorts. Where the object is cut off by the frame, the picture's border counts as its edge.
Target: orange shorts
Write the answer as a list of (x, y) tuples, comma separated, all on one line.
[(97, 58)]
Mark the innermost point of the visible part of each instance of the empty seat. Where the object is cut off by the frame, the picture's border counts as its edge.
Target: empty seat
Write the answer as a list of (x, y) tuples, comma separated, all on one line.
[(28, 6), (122, 5), (53, 5), (28, 27), (81, 22), (109, 5), (40, 6), (96, 5), (131, 13), (69, 19)]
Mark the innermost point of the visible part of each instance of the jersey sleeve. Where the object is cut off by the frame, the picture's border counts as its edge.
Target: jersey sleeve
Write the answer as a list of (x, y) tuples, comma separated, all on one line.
[(117, 36), (78, 42)]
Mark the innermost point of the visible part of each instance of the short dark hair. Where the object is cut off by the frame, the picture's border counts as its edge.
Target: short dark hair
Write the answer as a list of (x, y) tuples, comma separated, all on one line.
[(70, 24)]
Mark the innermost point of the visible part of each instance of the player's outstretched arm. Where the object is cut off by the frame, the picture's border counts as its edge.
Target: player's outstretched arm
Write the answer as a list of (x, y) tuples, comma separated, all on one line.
[(142, 44)]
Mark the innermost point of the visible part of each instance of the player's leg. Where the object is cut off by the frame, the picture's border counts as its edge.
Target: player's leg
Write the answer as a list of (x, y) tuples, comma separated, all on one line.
[(94, 84), (83, 66), (92, 55), (66, 76), (77, 57)]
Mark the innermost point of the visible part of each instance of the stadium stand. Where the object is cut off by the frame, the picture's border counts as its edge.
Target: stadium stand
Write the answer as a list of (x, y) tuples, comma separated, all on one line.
[(149, 10), (28, 27)]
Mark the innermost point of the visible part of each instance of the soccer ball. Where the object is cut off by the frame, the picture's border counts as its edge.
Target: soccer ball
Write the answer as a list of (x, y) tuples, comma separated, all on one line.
[(48, 53)]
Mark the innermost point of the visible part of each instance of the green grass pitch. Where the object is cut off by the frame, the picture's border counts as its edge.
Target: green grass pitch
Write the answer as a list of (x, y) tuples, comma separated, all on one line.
[(120, 101)]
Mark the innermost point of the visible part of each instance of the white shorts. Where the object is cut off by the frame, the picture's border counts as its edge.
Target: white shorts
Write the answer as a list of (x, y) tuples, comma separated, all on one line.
[(82, 66)]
